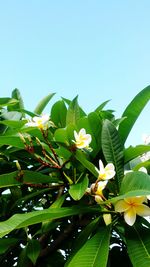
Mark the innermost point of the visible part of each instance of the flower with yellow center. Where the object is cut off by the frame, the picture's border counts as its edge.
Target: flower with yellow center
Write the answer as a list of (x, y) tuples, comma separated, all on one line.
[(132, 206), (105, 173), (82, 139), (42, 122), (96, 190)]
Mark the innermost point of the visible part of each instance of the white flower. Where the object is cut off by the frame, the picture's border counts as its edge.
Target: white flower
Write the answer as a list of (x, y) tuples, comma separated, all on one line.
[(42, 122), (96, 190), (82, 140), (106, 173), (132, 206)]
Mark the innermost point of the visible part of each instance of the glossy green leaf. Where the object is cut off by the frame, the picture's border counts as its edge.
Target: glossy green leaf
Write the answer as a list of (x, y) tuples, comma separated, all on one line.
[(138, 245), (11, 141), (133, 152), (22, 220), (101, 106), (7, 101), (67, 101), (58, 114), (14, 124), (43, 103), (135, 181), (113, 150), (82, 238), (81, 157), (132, 112), (33, 250), (73, 112), (94, 252), (6, 243), (19, 105), (77, 190), (25, 177)]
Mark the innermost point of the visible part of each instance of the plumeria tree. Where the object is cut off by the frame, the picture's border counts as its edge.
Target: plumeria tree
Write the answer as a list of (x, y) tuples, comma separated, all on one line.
[(71, 193)]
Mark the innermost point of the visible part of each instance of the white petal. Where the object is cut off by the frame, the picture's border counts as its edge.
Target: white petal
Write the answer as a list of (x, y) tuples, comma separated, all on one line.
[(75, 135), (110, 166), (101, 167), (82, 132), (110, 174), (88, 138)]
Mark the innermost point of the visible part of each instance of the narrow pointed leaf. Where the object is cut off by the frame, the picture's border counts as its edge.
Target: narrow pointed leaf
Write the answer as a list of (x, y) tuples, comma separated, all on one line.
[(113, 150), (25, 177), (73, 112), (33, 250), (138, 245), (43, 103), (80, 156), (18, 221), (94, 253), (132, 112), (82, 238)]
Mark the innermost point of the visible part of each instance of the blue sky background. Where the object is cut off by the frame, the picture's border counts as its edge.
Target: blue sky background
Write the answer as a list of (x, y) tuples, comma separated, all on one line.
[(97, 49)]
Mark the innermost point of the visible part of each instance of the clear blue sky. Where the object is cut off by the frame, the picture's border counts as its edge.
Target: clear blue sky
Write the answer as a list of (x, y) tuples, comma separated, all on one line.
[(97, 49)]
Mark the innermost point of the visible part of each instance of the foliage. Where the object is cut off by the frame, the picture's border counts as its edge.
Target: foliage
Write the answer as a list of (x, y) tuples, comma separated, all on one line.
[(60, 179)]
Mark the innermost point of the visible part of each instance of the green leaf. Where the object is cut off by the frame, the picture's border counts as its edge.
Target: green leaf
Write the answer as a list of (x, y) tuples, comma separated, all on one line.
[(6, 243), (13, 123), (133, 152), (42, 104), (138, 245), (77, 190), (18, 221), (19, 105), (82, 238), (113, 150), (67, 101), (136, 180), (25, 177), (101, 106), (81, 157), (7, 101), (93, 125), (73, 112), (33, 250), (132, 112), (11, 141), (94, 252), (58, 114)]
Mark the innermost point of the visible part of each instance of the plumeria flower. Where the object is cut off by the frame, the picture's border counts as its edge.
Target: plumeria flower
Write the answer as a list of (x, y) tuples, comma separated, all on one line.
[(96, 190), (82, 139), (105, 173), (132, 206), (42, 122)]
